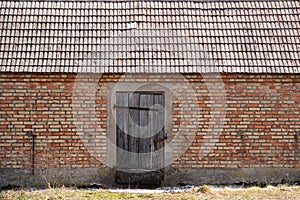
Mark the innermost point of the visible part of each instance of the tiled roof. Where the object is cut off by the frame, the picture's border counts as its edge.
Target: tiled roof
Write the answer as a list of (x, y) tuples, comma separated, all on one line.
[(150, 36)]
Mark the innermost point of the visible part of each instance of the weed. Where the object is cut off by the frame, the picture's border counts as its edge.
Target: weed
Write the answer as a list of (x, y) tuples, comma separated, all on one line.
[(204, 189), (203, 192)]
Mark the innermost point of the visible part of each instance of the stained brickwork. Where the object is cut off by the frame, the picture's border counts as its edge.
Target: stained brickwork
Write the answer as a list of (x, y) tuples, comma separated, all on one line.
[(260, 126)]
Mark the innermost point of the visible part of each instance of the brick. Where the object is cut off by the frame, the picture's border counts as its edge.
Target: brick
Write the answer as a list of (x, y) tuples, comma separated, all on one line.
[(264, 120)]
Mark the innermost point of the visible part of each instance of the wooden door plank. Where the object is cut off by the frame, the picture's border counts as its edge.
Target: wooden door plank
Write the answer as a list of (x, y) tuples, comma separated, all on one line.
[(133, 130), (158, 138), (146, 101), (122, 130)]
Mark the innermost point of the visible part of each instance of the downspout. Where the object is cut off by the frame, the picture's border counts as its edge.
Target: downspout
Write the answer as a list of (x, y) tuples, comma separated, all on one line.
[(33, 136), (297, 153)]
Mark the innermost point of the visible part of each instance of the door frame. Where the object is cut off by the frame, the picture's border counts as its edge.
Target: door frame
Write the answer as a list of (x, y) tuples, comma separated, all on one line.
[(112, 88)]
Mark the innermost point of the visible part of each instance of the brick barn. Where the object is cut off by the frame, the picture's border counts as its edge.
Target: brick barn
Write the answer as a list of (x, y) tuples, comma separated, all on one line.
[(149, 92)]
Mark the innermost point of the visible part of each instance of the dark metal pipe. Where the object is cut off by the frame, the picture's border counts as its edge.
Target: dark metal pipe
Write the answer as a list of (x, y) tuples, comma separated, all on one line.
[(33, 153), (31, 134)]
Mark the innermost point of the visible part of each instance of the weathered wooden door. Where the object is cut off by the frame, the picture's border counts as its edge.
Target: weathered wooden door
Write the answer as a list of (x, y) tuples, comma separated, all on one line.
[(140, 137)]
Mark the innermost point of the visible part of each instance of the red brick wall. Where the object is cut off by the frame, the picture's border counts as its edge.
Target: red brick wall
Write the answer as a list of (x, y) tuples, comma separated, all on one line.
[(40, 103), (262, 118)]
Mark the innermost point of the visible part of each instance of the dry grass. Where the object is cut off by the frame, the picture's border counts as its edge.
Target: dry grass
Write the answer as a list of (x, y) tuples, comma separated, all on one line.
[(197, 193)]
